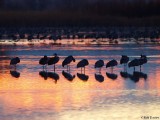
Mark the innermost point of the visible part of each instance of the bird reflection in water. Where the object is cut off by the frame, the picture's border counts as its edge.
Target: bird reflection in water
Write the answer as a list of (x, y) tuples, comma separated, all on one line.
[(83, 77), (15, 74), (112, 76), (54, 76), (140, 75), (44, 74), (135, 77), (99, 77), (124, 74), (68, 76)]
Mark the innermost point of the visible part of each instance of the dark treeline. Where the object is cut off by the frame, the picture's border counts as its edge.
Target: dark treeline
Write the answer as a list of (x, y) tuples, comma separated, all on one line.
[(80, 12)]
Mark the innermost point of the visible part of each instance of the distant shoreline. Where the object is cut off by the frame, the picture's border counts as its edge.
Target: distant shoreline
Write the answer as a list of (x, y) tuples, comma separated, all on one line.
[(80, 35)]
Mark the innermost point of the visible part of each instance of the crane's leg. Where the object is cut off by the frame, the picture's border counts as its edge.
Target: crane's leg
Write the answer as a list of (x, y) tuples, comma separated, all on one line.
[(46, 67), (126, 67), (14, 66), (54, 68), (67, 68), (111, 69)]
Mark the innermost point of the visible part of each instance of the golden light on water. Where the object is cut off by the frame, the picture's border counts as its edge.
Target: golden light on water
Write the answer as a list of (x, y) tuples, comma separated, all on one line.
[(24, 91), (122, 98)]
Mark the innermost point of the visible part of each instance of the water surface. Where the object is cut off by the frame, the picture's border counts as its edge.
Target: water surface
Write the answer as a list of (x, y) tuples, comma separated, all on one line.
[(28, 94)]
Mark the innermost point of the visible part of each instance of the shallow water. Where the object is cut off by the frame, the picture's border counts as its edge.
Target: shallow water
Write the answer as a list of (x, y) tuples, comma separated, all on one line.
[(30, 95)]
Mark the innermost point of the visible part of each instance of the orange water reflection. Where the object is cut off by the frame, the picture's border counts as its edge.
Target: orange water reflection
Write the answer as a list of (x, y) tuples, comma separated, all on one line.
[(30, 91)]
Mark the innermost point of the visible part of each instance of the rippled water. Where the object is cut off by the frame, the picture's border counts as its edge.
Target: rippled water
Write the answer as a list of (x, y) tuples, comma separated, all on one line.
[(33, 96)]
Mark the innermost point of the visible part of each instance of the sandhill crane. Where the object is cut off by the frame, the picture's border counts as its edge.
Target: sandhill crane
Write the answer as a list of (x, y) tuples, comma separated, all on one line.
[(99, 64), (67, 61), (111, 64), (143, 60), (124, 59), (82, 64), (15, 61), (53, 60), (43, 61), (134, 63)]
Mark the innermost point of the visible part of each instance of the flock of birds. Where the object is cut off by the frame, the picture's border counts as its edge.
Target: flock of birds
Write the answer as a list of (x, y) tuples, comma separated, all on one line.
[(47, 61), (84, 62)]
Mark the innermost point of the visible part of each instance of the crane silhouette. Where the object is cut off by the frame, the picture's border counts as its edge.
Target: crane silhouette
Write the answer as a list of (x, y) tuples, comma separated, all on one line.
[(81, 64), (134, 63), (53, 60), (15, 61), (43, 61), (124, 60), (99, 64), (111, 64), (143, 60), (67, 61)]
